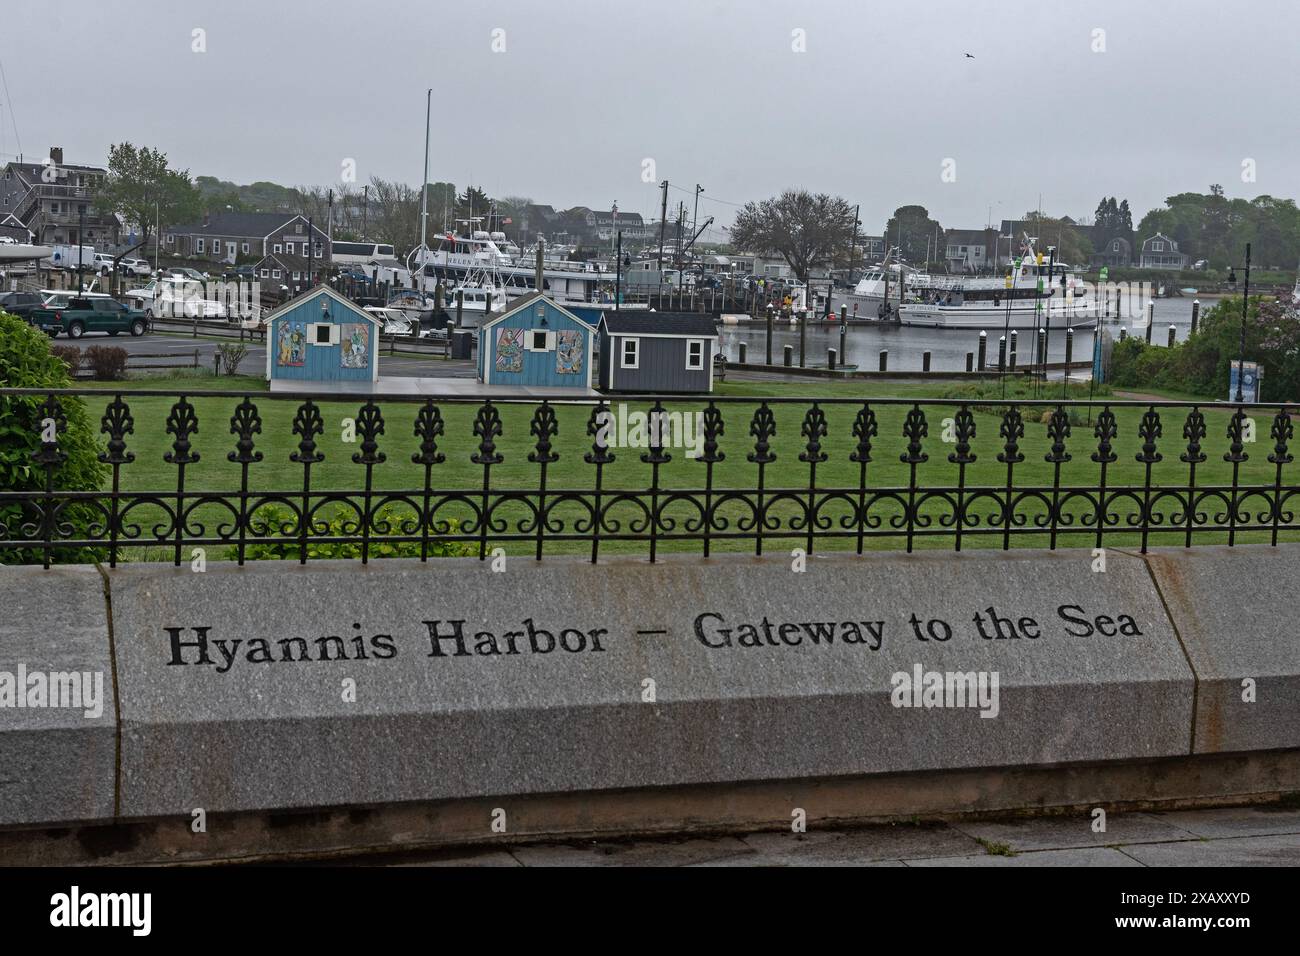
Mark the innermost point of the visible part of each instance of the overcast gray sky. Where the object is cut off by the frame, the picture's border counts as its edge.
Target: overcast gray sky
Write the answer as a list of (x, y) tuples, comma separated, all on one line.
[(713, 91)]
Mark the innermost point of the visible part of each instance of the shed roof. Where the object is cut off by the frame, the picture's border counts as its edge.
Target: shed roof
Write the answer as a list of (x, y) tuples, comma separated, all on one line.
[(321, 290), (685, 324), (514, 305)]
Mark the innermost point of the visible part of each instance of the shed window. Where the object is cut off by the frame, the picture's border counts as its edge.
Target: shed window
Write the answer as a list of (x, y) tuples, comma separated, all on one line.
[(277, 248), (266, 273), (631, 353), (323, 333), (540, 340), (694, 355), (275, 273)]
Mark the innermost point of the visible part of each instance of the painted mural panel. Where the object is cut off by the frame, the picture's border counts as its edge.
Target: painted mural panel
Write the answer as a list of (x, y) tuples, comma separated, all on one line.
[(510, 350), (291, 344), (354, 339), (569, 352)]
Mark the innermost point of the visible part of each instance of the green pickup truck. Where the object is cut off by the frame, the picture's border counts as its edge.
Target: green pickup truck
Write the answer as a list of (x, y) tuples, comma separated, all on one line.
[(82, 315)]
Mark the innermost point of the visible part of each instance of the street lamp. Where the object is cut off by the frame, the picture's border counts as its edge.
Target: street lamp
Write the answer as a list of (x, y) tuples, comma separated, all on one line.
[(1245, 302)]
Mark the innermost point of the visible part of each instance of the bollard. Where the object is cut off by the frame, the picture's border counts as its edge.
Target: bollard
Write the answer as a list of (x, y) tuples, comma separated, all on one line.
[(1002, 353), (884, 360), (446, 349), (1042, 350), (844, 326), (830, 359), (1123, 332), (742, 353), (1069, 349), (769, 335), (1151, 319), (1173, 336), (925, 361), (803, 337), (983, 350), (789, 356), (1015, 336), (1196, 315), (970, 361)]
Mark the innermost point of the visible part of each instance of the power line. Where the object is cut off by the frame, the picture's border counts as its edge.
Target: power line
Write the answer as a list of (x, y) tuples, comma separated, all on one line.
[(10, 104)]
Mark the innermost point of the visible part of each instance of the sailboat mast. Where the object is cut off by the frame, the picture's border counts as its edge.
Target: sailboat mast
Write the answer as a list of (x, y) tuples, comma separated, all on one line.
[(424, 185)]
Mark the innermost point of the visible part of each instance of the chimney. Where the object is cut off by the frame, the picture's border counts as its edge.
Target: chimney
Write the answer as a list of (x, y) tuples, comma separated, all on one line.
[(56, 155), (541, 245), (207, 218)]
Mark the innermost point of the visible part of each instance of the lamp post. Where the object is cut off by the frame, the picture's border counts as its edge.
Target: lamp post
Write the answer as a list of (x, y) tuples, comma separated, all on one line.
[(1245, 304)]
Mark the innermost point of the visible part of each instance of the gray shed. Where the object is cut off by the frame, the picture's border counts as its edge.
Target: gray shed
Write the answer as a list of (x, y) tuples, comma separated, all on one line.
[(656, 352)]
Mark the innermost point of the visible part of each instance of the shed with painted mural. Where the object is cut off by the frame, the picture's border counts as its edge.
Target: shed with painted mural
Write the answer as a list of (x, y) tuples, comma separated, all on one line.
[(321, 337), (536, 343), (657, 352)]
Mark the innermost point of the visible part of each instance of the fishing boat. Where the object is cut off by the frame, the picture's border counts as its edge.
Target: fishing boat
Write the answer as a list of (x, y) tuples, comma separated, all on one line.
[(1036, 295)]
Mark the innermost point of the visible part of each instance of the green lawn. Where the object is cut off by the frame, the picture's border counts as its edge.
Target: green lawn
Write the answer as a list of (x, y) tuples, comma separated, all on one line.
[(213, 473)]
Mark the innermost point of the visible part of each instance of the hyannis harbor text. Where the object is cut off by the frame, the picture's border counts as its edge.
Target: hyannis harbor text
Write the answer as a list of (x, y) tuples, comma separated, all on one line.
[(459, 638)]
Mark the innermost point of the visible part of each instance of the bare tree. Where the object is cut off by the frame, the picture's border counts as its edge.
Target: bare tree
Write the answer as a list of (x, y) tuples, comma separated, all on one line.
[(394, 214)]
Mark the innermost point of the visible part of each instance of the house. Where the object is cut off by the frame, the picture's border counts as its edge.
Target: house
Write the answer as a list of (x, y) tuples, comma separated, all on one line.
[(321, 337), (294, 272), (652, 352), (536, 343), (226, 237), (1116, 252), (1161, 252), (605, 226), (969, 250), (54, 201)]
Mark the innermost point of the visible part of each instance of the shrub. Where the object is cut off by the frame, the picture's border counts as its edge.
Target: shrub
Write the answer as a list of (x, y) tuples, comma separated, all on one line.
[(107, 362), (26, 361), (231, 356), (70, 355), (271, 520)]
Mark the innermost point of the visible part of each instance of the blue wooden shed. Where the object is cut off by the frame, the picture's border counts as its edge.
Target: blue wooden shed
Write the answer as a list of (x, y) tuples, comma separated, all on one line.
[(536, 343), (320, 336)]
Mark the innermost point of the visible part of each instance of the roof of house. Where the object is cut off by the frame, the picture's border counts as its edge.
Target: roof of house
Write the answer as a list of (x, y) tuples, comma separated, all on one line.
[(514, 305), (315, 291), (967, 236), (1161, 235), (292, 263), (685, 324), (258, 224)]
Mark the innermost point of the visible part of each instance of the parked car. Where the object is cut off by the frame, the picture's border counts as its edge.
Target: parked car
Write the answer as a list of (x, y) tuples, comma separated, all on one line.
[(136, 267), (83, 314), (21, 304)]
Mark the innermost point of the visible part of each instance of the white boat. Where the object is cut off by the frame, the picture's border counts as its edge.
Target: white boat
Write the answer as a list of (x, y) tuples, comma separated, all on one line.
[(394, 321), (462, 260)]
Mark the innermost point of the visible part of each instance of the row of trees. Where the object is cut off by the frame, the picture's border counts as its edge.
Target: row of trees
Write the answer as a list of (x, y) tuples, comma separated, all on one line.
[(1212, 227)]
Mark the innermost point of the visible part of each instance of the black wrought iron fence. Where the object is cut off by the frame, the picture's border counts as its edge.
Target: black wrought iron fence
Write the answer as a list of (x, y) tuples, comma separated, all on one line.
[(299, 475)]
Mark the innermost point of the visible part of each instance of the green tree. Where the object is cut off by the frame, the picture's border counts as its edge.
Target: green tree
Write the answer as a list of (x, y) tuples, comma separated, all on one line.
[(805, 229), (912, 230), (144, 190)]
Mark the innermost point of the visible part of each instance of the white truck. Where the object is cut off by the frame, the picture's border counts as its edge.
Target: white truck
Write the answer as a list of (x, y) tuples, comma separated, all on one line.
[(67, 257)]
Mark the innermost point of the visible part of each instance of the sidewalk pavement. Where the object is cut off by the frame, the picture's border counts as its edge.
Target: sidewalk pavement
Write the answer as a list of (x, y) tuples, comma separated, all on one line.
[(1246, 836)]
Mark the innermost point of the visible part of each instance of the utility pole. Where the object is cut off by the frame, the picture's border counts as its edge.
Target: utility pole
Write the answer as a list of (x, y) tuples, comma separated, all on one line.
[(81, 244), (365, 209), (329, 226), (618, 272), (663, 223), (695, 216)]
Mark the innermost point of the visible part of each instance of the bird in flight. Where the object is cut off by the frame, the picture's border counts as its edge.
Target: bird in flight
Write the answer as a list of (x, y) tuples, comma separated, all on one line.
[(970, 56)]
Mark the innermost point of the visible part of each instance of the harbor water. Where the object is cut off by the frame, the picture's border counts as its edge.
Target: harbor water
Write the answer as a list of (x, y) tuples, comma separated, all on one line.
[(947, 347)]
